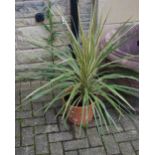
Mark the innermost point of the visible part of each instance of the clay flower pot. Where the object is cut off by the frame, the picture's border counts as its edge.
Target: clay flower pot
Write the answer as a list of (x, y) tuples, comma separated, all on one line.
[(75, 114)]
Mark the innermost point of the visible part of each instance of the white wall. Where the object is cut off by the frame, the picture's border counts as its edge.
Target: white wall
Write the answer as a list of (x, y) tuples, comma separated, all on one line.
[(120, 10)]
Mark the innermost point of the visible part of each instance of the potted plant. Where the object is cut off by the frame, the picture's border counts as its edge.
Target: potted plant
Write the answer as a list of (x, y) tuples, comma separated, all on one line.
[(82, 81)]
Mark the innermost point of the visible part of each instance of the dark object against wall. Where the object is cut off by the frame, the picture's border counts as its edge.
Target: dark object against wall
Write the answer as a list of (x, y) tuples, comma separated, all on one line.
[(74, 21), (39, 17), (74, 17)]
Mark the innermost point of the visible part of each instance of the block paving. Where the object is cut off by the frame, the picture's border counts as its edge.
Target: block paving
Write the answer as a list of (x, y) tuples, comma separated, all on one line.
[(42, 134)]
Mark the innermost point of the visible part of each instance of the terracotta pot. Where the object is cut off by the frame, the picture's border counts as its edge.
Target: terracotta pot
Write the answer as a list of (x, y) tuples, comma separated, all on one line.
[(75, 115)]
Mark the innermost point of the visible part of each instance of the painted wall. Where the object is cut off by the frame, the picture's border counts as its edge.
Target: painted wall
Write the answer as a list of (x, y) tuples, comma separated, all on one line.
[(119, 11)]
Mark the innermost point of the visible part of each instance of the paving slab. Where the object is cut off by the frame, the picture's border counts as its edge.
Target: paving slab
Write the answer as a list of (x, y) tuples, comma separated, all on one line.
[(43, 134)]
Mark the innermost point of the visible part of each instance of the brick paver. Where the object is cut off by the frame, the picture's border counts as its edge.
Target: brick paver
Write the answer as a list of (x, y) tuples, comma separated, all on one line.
[(126, 136), (33, 121), (127, 149), (71, 153), (43, 134), (94, 138), (76, 144), (135, 145), (110, 144), (56, 148), (79, 133), (46, 128), (27, 136), (127, 124), (23, 114), (93, 151), (50, 117), (60, 136), (29, 150), (41, 144)]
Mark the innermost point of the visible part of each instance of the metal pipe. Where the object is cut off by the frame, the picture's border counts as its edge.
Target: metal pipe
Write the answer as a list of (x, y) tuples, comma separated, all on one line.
[(74, 17)]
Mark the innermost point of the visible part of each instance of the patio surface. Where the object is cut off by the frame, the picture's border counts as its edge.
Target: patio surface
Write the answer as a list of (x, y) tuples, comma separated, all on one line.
[(39, 134)]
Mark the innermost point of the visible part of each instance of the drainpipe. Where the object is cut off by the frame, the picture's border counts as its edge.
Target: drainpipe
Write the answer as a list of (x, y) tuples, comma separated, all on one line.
[(74, 21), (74, 17)]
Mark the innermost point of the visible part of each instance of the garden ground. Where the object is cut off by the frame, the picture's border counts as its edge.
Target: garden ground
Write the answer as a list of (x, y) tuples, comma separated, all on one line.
[(43, 134)]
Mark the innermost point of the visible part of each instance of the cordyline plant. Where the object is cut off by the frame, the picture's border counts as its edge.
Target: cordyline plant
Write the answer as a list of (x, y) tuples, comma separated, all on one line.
[(88, 76)]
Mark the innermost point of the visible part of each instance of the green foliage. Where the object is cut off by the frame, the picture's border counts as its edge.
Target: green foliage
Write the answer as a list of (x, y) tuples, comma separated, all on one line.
[(88, 76)]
